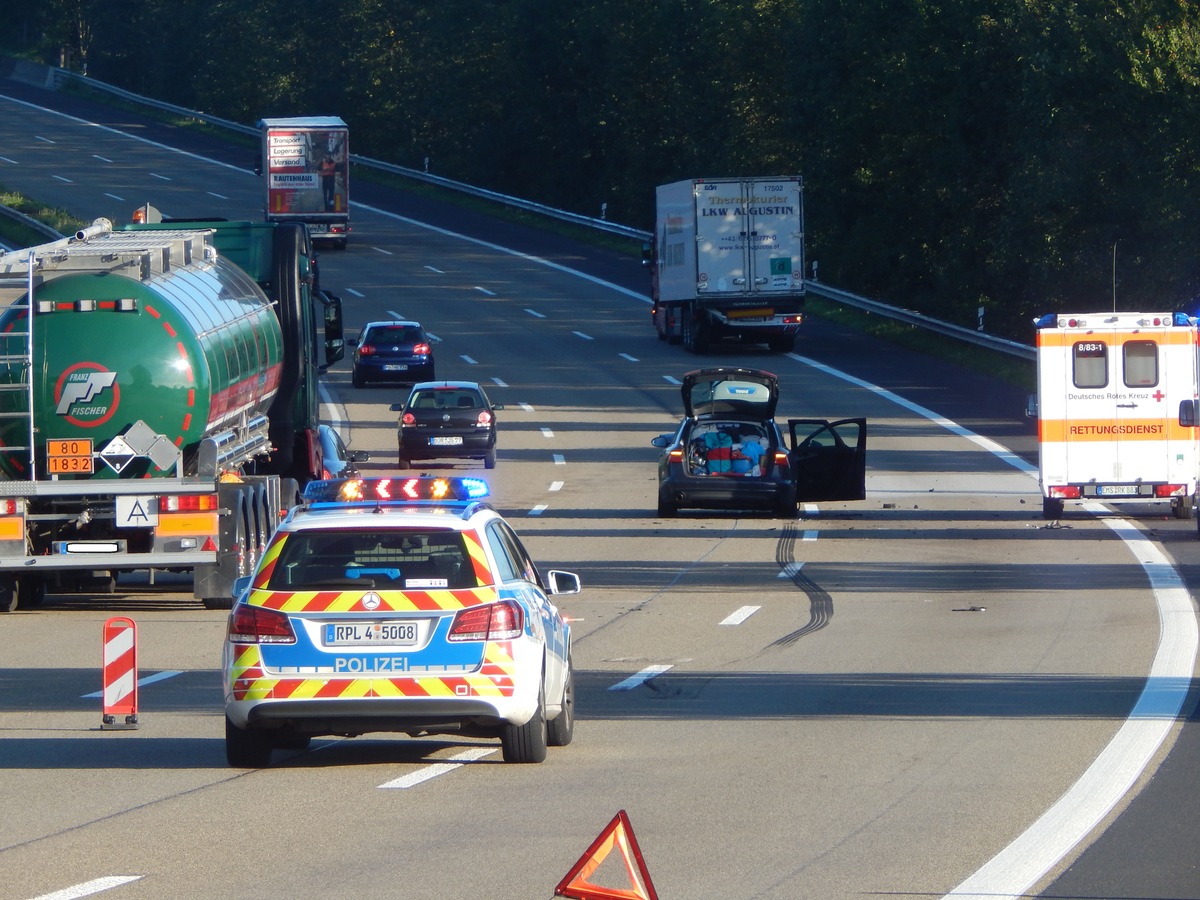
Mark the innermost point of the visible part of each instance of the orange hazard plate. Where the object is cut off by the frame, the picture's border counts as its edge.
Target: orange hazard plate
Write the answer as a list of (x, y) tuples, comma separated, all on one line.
[(12, 528), (186, 524), (764, 313)]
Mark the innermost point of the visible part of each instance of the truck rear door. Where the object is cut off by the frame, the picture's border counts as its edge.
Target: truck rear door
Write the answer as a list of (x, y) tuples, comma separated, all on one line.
[(829, 459), (775, 235)]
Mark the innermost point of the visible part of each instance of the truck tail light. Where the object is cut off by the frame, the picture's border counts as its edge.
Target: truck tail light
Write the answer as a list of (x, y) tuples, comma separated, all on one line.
[(255, 625), (188, 503), (498, 621), (1064, 492), (1170, 490)]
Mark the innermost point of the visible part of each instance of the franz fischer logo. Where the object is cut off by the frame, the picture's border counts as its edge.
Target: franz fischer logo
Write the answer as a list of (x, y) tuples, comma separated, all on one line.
[(78, 393)]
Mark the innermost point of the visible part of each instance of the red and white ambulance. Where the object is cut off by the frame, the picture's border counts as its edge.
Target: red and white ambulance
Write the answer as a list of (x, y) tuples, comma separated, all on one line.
[(1116, 409)]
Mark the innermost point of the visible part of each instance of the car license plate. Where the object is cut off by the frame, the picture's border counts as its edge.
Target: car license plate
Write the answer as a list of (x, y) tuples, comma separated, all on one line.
[(1117, 490), (395, 368), (338, 634), (452, 441)]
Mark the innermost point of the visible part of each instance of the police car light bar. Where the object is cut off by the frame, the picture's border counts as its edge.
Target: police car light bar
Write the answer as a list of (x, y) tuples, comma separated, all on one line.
[(421, 488)]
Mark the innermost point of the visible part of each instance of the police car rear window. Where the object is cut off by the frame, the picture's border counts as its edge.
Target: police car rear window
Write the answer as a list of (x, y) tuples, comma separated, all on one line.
[(411, 559)]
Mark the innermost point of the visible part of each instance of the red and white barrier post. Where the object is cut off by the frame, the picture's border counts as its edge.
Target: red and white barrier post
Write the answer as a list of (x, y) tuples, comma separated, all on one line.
[(120, 673)]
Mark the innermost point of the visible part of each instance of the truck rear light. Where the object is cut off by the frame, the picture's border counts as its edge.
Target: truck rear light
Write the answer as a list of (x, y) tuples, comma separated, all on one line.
[(11, 507), (1170, 490), (1064, 492), (255, 625), (188, 503), (498, 621)]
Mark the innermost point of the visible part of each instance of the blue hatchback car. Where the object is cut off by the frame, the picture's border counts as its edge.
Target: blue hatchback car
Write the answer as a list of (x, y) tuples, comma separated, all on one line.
[(394, 350)]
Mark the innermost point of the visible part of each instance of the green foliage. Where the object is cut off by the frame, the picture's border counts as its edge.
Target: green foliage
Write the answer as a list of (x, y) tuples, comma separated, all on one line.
[(1022, 156)]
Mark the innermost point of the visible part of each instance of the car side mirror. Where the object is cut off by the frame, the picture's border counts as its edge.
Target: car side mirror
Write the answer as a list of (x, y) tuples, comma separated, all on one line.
[(240, 586), (663, 441), (396, 407), (1031, 407), (563, 582), (497, 406)]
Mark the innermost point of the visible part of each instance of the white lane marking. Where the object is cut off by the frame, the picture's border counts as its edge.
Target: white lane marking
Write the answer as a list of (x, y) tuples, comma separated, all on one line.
[(468, 360), (810, 536), (484, 290), (457, 761), (556, 486), (61, 178), (738, 616), (790, 569), (1060, 829), (435, 269), (44, 140), (101, 158), (559, 459), (671, 379), (547, 433), (87, 888), (525, 406), (10, 161), (161, 177), (396, 315), (539, 509), (640, 678), (535, 314), (215, 194), (142, 682), (499, 382), (586, 337), (811, 510), (628, 357), (114, 197), (381, 250), (353, 292)]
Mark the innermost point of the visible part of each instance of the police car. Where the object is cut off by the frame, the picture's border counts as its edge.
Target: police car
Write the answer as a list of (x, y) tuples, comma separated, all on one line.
[(403, 605)]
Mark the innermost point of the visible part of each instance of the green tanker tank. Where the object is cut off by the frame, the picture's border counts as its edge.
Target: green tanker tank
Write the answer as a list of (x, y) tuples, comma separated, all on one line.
[(190, 351)]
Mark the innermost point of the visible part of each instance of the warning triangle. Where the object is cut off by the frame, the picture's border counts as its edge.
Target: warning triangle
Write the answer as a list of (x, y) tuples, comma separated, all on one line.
[(618, 833)]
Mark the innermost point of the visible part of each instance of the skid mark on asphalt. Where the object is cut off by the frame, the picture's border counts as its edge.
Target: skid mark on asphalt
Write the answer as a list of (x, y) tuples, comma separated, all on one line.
[(820, 603)]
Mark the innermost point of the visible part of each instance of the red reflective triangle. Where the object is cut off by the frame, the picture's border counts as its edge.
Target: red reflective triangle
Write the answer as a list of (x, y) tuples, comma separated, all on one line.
[(617, 833)]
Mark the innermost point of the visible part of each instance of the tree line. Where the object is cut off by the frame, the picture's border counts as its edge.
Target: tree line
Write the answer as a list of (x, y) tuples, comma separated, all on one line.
[(1019, 156)]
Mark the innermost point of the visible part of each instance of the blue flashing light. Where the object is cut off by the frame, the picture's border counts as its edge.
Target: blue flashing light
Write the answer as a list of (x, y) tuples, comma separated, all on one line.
[(415, 489), (1182, 318), (1049, 320)]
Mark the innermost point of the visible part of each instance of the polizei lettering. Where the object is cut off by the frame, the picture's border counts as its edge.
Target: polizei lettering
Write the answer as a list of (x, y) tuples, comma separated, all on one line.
[(372, 664)]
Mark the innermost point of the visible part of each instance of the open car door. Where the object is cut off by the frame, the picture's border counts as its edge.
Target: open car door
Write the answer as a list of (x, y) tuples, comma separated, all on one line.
[(829, 459)]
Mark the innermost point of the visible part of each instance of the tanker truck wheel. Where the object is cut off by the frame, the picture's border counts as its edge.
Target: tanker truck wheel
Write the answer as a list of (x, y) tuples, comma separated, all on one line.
[(8, 595)]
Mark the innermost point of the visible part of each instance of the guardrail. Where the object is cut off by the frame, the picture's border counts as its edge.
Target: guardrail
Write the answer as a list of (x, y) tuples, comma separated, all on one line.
[(58, 77)]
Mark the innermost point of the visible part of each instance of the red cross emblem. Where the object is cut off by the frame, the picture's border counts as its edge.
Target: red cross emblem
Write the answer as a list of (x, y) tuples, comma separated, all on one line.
[(1158, 395)]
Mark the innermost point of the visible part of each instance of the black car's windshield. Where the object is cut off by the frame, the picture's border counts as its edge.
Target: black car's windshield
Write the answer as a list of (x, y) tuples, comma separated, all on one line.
[(389, 560)]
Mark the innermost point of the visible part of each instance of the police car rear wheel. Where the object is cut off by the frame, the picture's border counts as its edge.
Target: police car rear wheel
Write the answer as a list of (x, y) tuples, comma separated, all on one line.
[(246, 748), (527, 743)]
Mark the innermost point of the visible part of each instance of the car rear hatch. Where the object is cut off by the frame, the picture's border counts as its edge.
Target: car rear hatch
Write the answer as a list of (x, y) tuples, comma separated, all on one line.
[(730, 391)]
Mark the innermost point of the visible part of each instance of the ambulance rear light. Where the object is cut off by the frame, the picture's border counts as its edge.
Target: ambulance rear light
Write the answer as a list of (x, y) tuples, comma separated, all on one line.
[(1064, 492), (255, 625), (1170, 490)]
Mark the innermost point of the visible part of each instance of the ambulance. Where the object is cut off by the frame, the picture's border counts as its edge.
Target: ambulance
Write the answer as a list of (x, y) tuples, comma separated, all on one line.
[(1116, 409)]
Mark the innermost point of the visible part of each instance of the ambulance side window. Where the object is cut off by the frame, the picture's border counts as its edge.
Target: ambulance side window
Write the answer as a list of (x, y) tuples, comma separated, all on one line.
[(1089, 364), (1141, 363)]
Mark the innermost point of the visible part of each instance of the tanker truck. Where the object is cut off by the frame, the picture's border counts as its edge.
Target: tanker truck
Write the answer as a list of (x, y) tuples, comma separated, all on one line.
[(158, 402)]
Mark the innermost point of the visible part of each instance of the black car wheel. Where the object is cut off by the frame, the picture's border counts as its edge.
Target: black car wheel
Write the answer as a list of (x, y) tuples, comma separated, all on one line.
[(562, 728), (246, 748), (358, 380), (527, 743), (665, 509), (489, 461), (402, 463)]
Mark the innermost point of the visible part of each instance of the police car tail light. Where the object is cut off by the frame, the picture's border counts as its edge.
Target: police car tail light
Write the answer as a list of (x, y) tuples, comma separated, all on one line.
[(491, 622), (254, 625)]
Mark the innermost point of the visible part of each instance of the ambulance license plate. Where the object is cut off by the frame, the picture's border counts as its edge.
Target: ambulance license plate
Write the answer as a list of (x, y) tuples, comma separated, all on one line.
[(1116, 490), (340, 634)]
